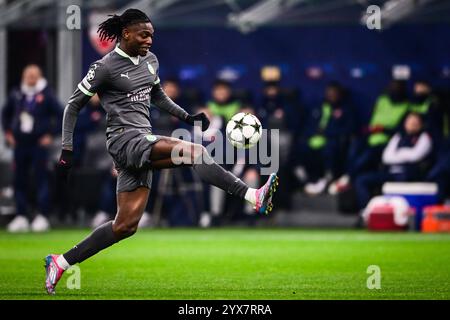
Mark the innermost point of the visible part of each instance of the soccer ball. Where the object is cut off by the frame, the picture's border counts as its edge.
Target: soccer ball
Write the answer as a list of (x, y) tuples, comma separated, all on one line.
[(243, 130)]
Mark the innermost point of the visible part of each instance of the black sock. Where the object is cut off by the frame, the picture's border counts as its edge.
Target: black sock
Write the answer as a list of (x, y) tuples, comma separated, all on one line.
[(210, 172), (99, 239)]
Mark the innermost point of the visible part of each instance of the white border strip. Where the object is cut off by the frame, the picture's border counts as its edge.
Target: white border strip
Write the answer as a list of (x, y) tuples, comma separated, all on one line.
[(417, 188)]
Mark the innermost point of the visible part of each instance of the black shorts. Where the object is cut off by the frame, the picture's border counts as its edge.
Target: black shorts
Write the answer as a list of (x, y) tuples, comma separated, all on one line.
[(130, 150)]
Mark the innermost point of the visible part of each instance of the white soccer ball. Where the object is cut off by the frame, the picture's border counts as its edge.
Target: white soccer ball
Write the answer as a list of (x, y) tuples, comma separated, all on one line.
[(244, 130)]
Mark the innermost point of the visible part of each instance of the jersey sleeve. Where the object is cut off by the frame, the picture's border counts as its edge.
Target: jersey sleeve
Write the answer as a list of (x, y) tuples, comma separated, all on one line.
[(96, 77), (162, 101)]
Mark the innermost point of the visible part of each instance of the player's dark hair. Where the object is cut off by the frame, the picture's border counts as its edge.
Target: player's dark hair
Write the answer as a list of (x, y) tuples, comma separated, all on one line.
[(111, 28)]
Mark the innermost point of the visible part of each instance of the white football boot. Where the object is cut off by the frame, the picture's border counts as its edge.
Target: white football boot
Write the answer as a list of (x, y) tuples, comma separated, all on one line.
[(40, 224), (146, 220), (100, 218), (19, 224)]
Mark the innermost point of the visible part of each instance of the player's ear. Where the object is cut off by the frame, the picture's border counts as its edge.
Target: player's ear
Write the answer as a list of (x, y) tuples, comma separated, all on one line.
[(125, 34)]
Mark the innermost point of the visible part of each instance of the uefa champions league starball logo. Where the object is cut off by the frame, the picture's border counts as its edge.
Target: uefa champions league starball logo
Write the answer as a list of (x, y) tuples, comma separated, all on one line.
[(244, 130), (90, 75)]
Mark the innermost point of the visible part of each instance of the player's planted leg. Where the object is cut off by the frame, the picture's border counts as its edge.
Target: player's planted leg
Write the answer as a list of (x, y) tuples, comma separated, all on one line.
[(131, 206)]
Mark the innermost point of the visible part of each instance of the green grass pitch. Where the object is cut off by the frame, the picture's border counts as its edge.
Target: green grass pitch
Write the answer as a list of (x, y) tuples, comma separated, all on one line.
[(235, 264)]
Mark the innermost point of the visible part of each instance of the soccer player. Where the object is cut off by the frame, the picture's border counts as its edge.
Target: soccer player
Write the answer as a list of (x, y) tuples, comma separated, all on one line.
[(126, 79)]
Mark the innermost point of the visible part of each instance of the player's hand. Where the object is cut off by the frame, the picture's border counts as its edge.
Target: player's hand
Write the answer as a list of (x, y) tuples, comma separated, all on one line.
[(64, 165), (199, 117)]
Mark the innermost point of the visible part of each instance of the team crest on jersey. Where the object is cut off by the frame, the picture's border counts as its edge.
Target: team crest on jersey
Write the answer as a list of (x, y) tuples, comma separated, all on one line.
[(150, 68), (150, 137)]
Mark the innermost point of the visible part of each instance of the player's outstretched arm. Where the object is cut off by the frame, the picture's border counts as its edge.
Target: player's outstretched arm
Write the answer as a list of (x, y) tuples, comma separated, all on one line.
[(161, 100), (70, 116), (95, 77), (75, 104)]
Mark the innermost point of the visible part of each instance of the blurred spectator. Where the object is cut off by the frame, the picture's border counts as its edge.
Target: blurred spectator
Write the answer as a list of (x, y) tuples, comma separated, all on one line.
[(426, 103), (276, 112), (406, 158), (327, 147), (107, 206), (387, 116), (221, 108), (30, 119), (222, 103)]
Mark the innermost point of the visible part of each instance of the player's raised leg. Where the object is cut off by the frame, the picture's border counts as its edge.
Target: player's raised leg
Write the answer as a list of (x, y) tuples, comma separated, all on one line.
[(130, 208), (169, 152)]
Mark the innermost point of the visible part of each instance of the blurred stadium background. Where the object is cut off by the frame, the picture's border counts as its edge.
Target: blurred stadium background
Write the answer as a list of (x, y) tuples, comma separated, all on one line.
[(310, 68), (299, 46)]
